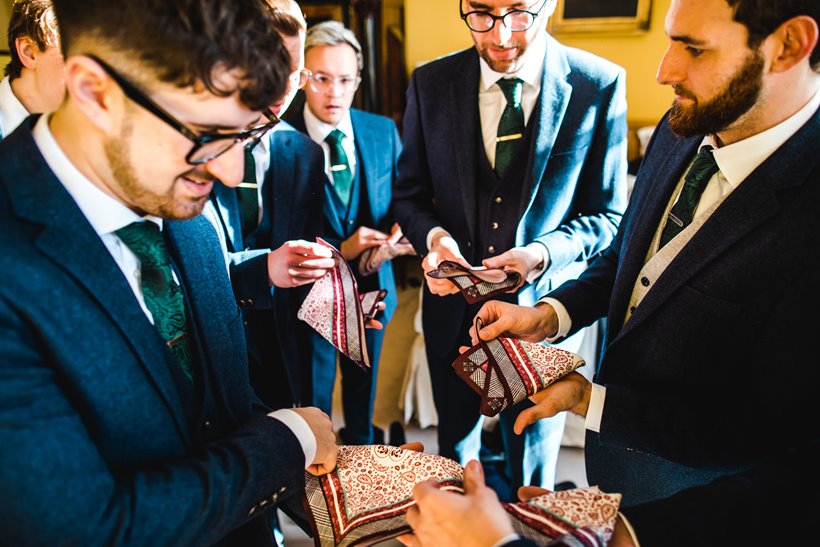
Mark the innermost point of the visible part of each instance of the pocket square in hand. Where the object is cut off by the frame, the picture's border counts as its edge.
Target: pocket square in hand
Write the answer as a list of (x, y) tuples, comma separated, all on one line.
[(365, 500), (334, 309), (476, 284), (373, 258), (505, 371)]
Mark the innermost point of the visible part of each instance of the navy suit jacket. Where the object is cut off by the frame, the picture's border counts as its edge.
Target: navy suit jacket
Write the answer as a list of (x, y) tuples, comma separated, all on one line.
[(712, 373), (378, 147), (292, 195), (98, 448), (575, 187)]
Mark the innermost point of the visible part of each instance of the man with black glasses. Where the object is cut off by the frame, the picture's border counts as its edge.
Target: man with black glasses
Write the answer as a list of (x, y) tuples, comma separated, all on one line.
[(514, 157), (126, 414), (360, 150)]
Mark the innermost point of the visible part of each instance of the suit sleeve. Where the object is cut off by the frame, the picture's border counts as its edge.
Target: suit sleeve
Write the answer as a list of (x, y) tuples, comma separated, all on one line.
[(59, 488), (600, 197), (249, 279), (413, 190), (732, 510)]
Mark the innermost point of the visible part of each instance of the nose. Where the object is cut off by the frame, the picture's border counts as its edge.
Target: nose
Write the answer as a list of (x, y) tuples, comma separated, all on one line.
[(228, 167), (335, 88), (501, 33), (670, 70)]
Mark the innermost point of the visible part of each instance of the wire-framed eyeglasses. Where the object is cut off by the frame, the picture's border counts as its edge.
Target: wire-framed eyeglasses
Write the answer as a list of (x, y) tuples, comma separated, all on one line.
[(207, 146), (515, 20)]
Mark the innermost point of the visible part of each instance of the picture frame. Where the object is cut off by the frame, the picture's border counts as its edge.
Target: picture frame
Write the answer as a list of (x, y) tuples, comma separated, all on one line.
[(600, 16)]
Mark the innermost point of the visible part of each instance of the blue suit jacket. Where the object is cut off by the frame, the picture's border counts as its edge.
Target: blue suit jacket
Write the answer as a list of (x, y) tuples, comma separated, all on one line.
[(97, 447), (575, 187), (378, 147), (292, 195), (712, 373)]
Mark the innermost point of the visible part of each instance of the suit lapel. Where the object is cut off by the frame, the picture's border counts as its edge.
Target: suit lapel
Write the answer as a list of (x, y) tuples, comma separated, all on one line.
[(552, 103), (464, 119), (744, 210), (227, 207), (70, 242)]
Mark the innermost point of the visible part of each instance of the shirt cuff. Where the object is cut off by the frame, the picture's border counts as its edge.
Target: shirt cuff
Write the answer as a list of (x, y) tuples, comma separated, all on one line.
[(544, 253), (432, 233), (564, 320), (596, 408), (630, 529), (301, 429), (506, 539)]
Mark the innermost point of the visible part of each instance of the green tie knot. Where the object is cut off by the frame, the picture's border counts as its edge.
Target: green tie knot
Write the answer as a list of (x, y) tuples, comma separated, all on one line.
[(340, 166), (512, 88)]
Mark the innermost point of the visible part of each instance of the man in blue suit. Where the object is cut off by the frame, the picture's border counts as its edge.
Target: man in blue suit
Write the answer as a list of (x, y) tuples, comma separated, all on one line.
[(361, 151), (514, 157), (710, 284), (126, 414), (269, 232)]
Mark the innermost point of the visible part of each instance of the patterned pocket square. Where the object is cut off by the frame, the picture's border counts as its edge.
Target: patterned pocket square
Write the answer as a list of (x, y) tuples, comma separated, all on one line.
[(505, 371), (336, 310), (373, 258), (476, 284), (365, 500)]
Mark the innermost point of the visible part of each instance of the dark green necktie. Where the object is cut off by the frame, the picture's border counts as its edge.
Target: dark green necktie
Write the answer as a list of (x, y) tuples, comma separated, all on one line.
[(511, 127), (248, 193), (163, 297), (702, 169), (340, 166)]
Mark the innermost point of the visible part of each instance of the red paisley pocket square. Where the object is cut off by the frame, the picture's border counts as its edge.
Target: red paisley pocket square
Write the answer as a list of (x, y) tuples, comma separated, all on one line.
[(335, 309), (365, 500), (476, 284), (505, 371)]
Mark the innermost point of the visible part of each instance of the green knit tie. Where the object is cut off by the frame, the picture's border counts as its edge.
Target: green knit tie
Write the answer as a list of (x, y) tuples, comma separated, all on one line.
[(511, 127), (247, 193), (163, 297), (703, 168), (340, 166)]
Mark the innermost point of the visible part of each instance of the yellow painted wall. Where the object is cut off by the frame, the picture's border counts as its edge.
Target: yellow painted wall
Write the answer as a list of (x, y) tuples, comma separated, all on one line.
[(433, 28)]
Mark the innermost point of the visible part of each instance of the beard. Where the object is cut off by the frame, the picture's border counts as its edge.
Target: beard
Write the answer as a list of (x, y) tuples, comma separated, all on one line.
[(720, 112), (136, 195), (505, 66)]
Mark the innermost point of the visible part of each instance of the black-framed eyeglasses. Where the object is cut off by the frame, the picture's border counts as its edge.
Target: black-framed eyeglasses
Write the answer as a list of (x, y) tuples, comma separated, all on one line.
[(207, 146), (517, 20)]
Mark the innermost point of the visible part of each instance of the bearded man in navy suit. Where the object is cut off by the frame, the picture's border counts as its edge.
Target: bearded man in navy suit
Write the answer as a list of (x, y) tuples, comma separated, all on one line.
[(710, 285), (514, 157), (126, 414)]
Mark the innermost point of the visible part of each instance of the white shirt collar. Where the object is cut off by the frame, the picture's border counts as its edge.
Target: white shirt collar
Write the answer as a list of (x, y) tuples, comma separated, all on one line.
[(12, 111), (319, 130), (737, 160), (532, 67), (105, 213)]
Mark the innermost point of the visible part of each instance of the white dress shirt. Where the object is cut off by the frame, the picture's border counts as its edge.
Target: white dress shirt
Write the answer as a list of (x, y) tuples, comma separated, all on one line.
[(736, 162), (491, 105), (319, 130), (106, 214), (12, 111)]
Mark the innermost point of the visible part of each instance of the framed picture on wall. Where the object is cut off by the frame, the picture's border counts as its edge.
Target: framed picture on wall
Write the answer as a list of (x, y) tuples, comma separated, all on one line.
[(600, 16)]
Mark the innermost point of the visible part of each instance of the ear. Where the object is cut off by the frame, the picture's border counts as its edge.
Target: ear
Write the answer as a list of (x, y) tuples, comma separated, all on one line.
[(794, 41), (93, 92), (27, 51)]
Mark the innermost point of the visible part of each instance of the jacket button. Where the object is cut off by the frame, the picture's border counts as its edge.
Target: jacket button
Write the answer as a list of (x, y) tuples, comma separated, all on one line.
[(498, 199), (494, 226), (469, 244), (491, 248), (252, 511), (207, 423), (645, 281), (250, 302)]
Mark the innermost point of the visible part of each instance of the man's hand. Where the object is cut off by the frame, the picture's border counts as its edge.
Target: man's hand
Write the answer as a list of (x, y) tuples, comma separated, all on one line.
[(361, 240), (532, 324), (475, 519), (520, 259), (326, 449), (375, 324), (443, 247), (395, 236), (298, 263), (572, 392)]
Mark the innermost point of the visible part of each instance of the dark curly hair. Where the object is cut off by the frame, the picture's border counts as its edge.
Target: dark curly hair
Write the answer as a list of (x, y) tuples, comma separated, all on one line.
[(762, 17), (183, 42), (33, 19)]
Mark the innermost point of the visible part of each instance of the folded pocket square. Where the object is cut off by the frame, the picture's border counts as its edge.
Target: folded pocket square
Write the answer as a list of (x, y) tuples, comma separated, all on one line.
[(373, 258), (365, 500), (476, 284), (336, 310), (505, 371)]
